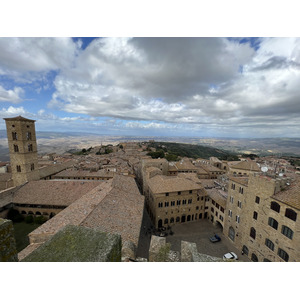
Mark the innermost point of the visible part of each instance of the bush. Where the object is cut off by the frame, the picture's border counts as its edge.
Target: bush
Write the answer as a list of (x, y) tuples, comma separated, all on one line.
[(29, 219), (39, 220), (14, 215)]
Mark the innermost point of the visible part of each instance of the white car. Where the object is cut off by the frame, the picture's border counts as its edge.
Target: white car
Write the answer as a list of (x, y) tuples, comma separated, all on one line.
[(230, 256)]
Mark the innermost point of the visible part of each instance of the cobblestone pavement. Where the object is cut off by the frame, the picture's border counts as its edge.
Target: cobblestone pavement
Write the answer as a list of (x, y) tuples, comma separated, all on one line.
[(199, 233), (196, 232)]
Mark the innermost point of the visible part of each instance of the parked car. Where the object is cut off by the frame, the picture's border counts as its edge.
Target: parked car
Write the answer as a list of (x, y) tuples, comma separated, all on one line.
[(230, 256), (215, 238)]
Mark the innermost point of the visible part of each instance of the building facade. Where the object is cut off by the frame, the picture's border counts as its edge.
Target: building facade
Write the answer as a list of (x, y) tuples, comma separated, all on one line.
[(261, 217)]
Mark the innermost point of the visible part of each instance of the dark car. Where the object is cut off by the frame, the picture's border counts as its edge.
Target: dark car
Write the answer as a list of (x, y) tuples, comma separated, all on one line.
[(215, 238)]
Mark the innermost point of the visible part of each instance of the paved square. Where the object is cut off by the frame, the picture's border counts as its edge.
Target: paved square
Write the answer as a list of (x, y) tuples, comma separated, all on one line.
[(199, 233)]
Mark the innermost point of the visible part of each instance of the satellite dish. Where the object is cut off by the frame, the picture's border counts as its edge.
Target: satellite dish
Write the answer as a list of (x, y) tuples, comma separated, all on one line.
[(280, 174), (264, 169)]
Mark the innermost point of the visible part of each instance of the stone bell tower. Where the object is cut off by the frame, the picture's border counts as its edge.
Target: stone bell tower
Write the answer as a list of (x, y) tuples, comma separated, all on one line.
[(22, 149)]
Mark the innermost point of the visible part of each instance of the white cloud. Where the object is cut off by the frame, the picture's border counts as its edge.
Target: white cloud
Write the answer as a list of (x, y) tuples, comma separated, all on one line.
[(13, 96)]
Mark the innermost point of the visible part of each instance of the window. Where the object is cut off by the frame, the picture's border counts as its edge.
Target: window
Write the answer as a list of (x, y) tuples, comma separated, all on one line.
[(166, 204), (166, 221), (241, 190), (239, 204), (222, 209), (190, 201), (245, 250), (183, 202), (221, 218), (160, 204), (16, 148), (273, 223), (217, 205), (233, 186), (288, 232), (28, 136), (230, 213), (212, 209), (252, 232), (275, 206), (231, 233), (198, 198), (197, 207), (269, 244), (167, 194), (281, 253), (32, 167), (178, 202), (14, 136), (172, 203), (213, 202), (30, 147), (18, 168), (254, 257), (255, 215), (289, 213), (257, 199), (190, 192), (231, 199), (202, 198), (179, 193), (237, 219)]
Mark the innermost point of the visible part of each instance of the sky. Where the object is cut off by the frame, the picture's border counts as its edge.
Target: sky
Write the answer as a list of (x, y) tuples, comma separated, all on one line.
[(197, 87)]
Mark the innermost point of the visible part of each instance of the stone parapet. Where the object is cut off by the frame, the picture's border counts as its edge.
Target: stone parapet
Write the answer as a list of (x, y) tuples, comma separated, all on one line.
[(8, 251)]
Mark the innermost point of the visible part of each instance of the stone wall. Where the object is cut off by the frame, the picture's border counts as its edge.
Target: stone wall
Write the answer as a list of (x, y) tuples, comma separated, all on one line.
[(8, 251)]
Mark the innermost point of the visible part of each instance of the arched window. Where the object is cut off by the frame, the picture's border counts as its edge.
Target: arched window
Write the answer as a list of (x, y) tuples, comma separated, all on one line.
[(289, 213), (188, 218), (231, 233), (177, 219), (253, 232), (38, 213), (288, 232), (275, 206), (245, 250), (273, 223), (266, 260), (254, 257), (166, 221), (269, 244), (281, 253), (23, 212), (172, 220)]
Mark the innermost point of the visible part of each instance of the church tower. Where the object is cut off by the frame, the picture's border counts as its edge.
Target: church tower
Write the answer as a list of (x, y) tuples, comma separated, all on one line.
[(22, 149)]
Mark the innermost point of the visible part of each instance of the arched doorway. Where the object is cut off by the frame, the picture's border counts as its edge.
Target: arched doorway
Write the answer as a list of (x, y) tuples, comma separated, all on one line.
[(159, 223), (172, 220), (231, 233), (188, 218), (219, 224), (182, 218), (177, 219), (254, 257)]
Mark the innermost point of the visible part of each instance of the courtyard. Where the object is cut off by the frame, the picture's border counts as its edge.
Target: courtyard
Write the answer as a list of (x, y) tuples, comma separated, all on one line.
[(196, 232)]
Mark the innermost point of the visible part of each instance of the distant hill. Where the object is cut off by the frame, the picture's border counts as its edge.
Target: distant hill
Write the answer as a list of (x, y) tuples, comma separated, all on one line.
[(194, 151)]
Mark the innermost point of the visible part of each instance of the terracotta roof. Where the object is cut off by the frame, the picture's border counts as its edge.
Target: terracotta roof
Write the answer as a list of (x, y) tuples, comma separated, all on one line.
[(185, 165), (114, 206), (166, 184), (48, 192), (247, 165), (81, 173), (76, 212), (240, 180), (19, 118), (218, 195), (290, 195), (121, 211), (210, 168)]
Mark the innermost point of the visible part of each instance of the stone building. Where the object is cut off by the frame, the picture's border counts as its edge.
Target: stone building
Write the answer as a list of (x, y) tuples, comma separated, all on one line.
[(171, 200), (261, 217), (22, 149)]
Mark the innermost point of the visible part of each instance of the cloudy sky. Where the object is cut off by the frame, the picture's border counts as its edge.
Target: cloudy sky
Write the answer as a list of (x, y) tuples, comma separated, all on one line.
[(198, 87)]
